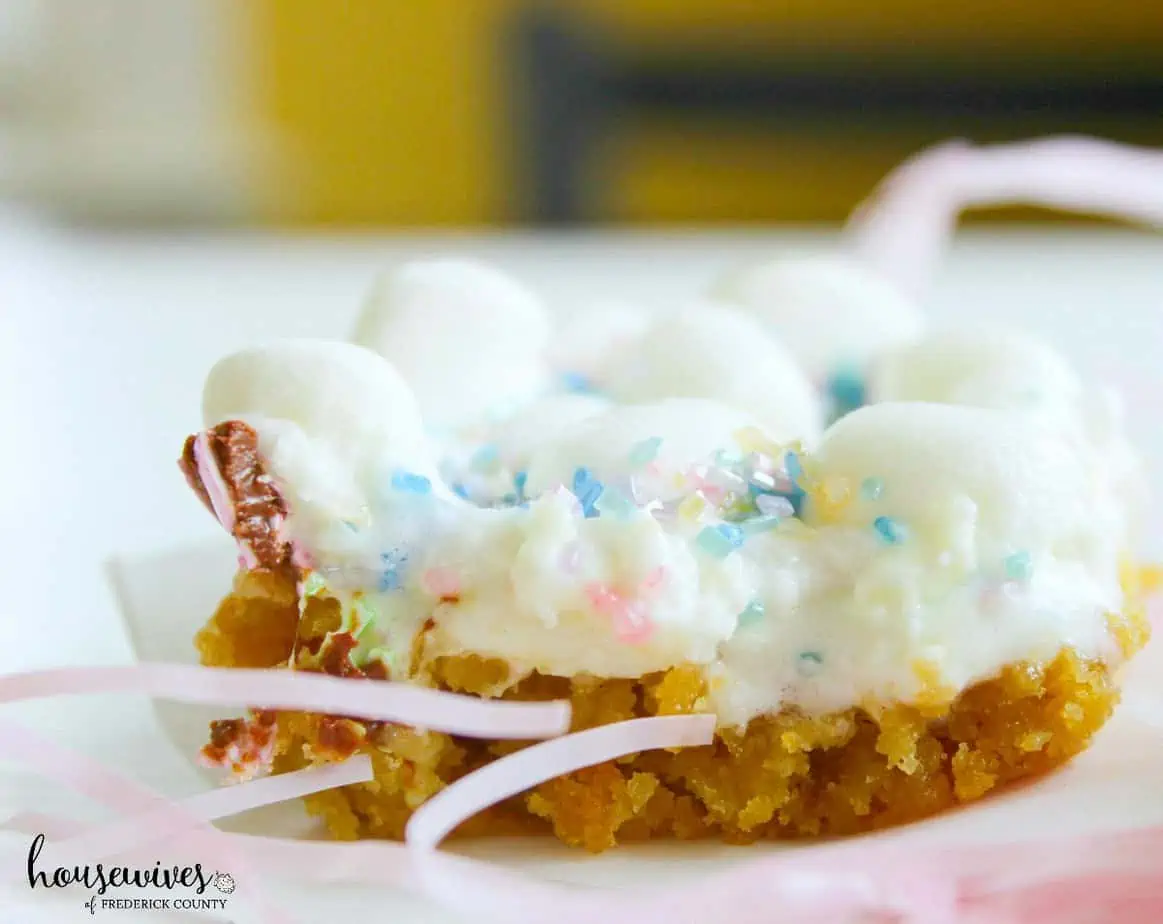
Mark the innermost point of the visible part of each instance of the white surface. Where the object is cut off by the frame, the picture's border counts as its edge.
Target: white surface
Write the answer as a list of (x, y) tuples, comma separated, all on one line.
[(105, 341)]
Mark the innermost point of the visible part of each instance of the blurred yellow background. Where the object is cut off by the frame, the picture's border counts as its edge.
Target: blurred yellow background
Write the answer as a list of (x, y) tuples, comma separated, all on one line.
[(480, 112)]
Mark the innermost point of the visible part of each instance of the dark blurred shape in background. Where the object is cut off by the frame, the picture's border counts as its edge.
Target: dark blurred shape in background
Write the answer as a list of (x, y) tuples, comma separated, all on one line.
[(478, 112)]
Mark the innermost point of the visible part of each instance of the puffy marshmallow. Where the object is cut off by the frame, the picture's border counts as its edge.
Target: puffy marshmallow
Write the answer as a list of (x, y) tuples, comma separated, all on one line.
[(831, 312), (983, 366), (595, 341), (468, 339), (518, 437), (691, 430), (715, 352), (982, 481), (333, 418)]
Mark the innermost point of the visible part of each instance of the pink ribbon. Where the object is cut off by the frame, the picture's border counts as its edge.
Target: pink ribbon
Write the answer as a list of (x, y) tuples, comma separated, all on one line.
[(1082, 880), (905, 227), (296, 690), (527, 768)]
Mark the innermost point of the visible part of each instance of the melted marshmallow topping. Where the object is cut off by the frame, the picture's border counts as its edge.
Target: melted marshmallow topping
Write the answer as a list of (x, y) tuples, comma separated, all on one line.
[(916, 546)]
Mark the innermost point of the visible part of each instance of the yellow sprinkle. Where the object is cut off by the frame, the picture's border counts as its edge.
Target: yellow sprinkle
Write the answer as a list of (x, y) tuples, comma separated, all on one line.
[(678, 479), (752, 439), (830, 498), (692, 508)]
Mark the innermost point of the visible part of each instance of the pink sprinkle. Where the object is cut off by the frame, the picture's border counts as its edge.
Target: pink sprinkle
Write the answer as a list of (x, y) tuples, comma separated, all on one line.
[(631, 624), (654, 579), (602, 598), (714, 493), (441, 582)]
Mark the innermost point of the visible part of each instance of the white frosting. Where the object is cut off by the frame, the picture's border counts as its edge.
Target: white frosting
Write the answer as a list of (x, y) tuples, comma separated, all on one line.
[(691, 430), (970, 489), (831, 312), (710, 351), (467, 338), (972, 536)]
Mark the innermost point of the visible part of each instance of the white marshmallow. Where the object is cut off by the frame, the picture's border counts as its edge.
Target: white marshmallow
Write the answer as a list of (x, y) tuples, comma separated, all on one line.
[(714, 352), (332, 418), (596, 340), (831, 312), (517, 438), (992, 480), (983, 366), (691, 430), (468, 339)]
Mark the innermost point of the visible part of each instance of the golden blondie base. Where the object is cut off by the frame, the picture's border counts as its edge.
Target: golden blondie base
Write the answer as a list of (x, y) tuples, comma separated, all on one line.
[(784, 776)]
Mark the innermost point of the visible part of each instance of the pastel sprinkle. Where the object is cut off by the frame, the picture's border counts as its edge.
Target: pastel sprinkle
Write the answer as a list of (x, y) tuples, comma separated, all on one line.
[(645, 452), (692, 507), (459, 489), (613, 503), (720, 541), (871, 488), (410, 482), (794, 467), (725, 459), (752, 439), (576, 382), (809, 663), (1019, 566), (630, 621), (847, 390), (485, 459), (587, 489), (391, 577), (520, 479), (751, 613), (890, 531), (774, 505), (441, 582)]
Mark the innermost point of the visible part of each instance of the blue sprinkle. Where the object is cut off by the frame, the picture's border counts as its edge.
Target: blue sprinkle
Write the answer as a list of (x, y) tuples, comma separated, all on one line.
[(725, 459), (645, 452), (809, 663), (720, 541), (847, 392), (795, 468), (751, 614), (576, 382), (459, 489), (587, 489), (1019, 566), (519, 481), (351, 526), (410, 482), (391, 577), (871, 488), (614, 503), (485, 459), (890, 530)]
